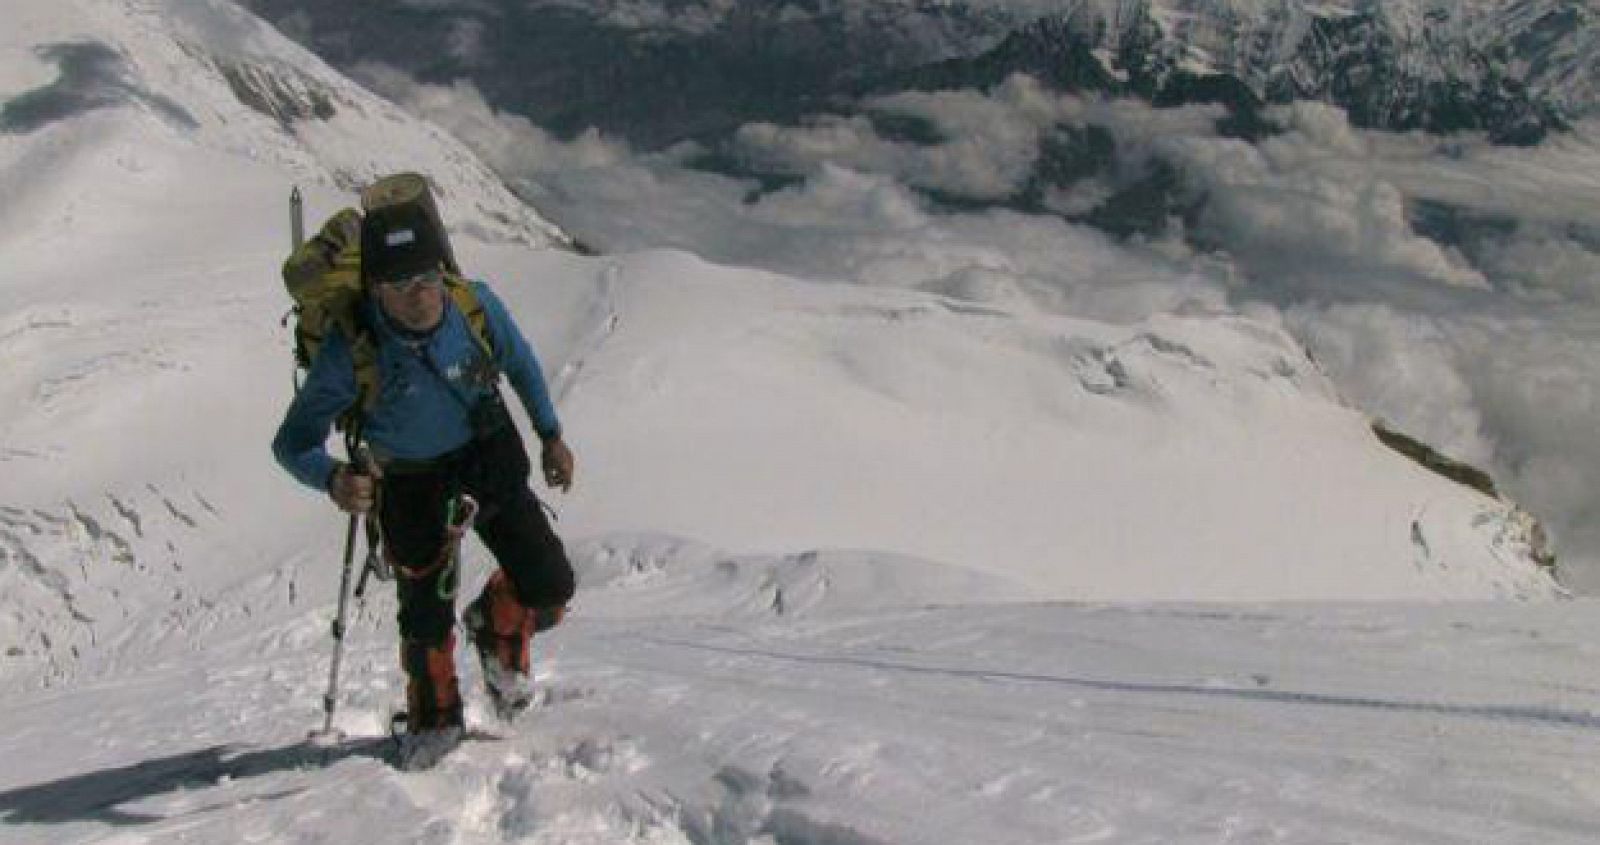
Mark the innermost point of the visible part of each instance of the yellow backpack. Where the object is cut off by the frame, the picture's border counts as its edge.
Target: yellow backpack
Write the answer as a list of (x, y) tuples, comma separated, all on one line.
[(323, 277)]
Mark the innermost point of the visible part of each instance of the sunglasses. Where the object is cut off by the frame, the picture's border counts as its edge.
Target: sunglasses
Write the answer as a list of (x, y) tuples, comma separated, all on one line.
[(424, 279)]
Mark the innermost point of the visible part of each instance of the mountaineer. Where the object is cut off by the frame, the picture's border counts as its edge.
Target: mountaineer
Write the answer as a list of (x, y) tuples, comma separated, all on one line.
[(408, 364)]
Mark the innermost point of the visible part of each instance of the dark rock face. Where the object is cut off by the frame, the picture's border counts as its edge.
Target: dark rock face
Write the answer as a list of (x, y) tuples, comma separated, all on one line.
[(1357, 64), (568, 68), (1052, 50), (276, 97)]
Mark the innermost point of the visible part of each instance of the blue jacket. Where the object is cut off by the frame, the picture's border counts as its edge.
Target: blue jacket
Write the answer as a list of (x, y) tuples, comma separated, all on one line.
[(426, 386)]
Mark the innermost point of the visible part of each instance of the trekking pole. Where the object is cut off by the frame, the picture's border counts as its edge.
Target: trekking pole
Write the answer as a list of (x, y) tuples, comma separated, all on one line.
[(330, 700), (375, 564)]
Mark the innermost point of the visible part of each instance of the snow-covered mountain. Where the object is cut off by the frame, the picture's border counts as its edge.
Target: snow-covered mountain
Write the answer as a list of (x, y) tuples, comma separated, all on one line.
[(233, 85), (1515, 70), (655, 73), (1153, 460), (804, 511), (660, 72)]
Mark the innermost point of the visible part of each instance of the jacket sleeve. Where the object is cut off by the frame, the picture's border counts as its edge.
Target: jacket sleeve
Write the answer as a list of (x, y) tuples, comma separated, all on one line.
[(517, 360), (330, 387)]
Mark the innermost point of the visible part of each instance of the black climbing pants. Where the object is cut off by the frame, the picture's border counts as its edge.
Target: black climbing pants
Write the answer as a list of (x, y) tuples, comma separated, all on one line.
[(413, 510), (511, 523)]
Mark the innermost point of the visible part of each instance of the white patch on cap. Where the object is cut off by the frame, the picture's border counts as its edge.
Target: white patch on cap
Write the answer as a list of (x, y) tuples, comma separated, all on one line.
[(400, 237)]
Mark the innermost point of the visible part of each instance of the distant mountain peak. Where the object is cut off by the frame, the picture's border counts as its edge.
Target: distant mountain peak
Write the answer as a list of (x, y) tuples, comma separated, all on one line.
[(1513, 70)]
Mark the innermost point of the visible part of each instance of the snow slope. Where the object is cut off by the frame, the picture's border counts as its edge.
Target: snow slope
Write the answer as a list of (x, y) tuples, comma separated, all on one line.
[(231, 83), (1197, 456), (804, 511), (1025, 723)]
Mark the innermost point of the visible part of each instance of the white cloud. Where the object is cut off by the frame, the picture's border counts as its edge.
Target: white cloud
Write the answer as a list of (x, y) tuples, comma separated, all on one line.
[(509, 143), (1306, 198), (1307, 202), (465, 41), (1542, 263), (1403, 367), (989, 164)]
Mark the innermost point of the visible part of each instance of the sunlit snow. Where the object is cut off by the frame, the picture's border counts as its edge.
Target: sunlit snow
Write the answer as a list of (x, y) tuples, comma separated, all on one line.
[(859, 564)]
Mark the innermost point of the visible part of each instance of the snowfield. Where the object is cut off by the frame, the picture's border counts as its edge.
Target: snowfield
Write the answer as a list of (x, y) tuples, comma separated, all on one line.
[(933, 723), (857, 565)]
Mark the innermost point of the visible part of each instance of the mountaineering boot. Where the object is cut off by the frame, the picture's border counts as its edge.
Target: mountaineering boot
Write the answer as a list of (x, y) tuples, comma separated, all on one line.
[(502, 630), (419, 750), (510, 692), (433, 702)]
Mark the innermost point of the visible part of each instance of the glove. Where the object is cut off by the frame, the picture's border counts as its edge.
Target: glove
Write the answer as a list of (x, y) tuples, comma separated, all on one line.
[(353, 490), (556, 459)]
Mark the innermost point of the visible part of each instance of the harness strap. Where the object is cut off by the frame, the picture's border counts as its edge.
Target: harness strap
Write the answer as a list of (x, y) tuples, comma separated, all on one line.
[(460, 513)]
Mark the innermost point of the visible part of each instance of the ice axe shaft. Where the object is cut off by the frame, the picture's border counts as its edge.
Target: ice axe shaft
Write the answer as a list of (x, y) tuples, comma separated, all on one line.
[(297, 218)]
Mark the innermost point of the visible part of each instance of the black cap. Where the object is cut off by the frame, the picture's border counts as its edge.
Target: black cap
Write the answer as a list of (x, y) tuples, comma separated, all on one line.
[(399, 241)]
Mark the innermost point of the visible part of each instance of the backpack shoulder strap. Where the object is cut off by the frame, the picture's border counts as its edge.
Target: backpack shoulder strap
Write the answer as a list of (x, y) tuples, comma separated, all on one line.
[(364, 346), (467, 302), (364, 361)]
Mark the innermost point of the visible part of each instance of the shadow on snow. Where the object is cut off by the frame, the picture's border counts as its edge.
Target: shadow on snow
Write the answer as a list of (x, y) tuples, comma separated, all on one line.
[(98, 796)]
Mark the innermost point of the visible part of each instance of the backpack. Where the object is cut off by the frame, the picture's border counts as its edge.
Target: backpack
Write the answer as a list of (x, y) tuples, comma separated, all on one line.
[(323, 277)]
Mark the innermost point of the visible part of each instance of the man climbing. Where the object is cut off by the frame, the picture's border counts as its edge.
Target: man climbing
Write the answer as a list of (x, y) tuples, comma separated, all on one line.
[(442, 451)]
